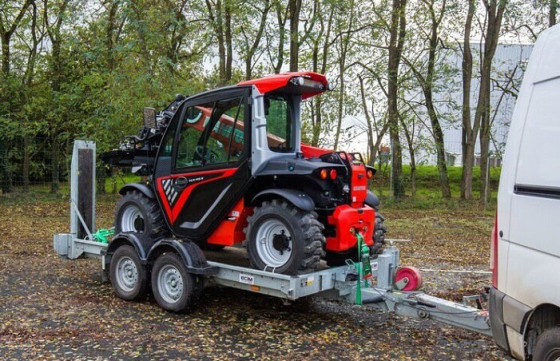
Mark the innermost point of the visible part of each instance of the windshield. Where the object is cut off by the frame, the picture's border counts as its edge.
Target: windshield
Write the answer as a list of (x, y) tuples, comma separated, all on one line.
[(279, 123)]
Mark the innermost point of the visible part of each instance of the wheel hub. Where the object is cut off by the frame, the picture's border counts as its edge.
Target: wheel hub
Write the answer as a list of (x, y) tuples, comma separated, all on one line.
[(132, 220), (274, 243), (127, 274), (281, 242), (170, 283), (139, 224)]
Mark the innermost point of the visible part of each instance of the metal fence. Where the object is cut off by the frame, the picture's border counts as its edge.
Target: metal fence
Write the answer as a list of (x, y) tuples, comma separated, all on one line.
[(33, 164)]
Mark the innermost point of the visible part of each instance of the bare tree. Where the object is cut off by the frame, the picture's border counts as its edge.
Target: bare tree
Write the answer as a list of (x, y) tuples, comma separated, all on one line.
[(494, 12), (396, 43), (553, 8), (220, 13), (427, 85), (469, 131)]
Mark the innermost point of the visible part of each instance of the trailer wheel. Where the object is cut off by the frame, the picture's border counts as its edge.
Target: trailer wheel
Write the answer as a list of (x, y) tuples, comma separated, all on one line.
[(378, 234), (548, 345), (138, 213), (172, 286), (284, 239), (127, 274)]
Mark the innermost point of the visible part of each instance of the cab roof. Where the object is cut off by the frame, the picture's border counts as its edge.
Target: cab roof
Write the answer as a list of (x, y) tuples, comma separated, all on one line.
[(306, 89)]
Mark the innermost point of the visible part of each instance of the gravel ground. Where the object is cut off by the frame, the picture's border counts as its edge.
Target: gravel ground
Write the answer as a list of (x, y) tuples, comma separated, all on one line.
[(56, 309)]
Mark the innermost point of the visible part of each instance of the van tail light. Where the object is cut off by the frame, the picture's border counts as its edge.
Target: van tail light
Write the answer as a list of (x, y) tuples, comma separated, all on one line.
[(494, 252)]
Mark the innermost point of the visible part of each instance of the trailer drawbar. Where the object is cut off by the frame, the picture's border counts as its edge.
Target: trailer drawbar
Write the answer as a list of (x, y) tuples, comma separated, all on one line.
[(179, 269)]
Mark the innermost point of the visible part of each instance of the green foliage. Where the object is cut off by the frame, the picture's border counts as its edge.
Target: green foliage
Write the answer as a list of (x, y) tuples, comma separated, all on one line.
[(428, 192), (85, 70)]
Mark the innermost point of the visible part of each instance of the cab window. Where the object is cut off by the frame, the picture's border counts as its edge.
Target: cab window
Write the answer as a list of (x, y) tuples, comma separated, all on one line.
[(211, 133)]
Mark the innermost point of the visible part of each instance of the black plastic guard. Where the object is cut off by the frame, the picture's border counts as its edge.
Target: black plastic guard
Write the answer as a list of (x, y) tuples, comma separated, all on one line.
[(190, 253), (297, 198)]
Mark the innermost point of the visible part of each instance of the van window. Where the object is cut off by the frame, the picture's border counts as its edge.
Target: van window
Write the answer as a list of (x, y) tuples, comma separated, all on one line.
[(539, 159)]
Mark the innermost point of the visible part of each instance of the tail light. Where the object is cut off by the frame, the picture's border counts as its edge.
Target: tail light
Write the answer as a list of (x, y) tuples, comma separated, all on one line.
[(494, 253), (326, 173)]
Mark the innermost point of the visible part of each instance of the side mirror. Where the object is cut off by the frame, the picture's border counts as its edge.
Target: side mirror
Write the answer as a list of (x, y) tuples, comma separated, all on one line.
[(150, 117)]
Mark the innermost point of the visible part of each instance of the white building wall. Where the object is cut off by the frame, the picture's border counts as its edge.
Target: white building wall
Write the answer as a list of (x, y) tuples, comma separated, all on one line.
[(509, 59)]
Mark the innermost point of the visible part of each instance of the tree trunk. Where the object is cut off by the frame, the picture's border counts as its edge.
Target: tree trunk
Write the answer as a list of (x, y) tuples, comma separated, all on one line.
[(340, 103), (26, 163), (468, 136), (294, 11), (6, 54), (101, 176), (281, 34), (229, 45), (251, 50), (428, 95), (552, 12), (495, 11), (5, 173), (54, 165), (396, 42), (410, 143)]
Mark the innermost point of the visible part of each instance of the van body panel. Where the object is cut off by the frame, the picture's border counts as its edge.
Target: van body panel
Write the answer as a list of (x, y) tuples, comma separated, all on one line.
[(528, 211), (535, 278)]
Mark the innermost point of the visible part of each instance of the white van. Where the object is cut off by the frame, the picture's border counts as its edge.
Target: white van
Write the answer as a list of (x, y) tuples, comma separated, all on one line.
[(525, 254)]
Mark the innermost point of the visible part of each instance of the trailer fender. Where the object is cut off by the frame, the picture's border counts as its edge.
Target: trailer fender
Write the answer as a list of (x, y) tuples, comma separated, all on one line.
[(190, 253), (297, 198), (141, 187), (372, 200), (141, 243)]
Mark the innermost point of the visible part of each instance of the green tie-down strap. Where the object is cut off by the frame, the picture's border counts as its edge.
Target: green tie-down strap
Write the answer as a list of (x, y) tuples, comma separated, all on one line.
[(103, 235), (363, 267)]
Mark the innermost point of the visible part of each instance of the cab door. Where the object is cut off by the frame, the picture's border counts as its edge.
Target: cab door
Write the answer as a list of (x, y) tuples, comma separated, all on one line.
[(202, 170)]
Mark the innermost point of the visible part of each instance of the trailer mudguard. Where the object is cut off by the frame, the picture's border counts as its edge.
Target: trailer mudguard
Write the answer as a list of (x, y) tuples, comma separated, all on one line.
[(141, 187), (142, 243), (297, 198), (190, 253)]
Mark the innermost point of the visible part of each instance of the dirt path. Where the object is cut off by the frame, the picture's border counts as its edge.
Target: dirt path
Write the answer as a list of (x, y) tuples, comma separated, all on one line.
[(55, 309)]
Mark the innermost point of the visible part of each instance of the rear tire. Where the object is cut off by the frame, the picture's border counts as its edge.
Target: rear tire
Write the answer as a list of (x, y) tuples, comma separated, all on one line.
[(378, 234), (127, 274), (173, 287), (138, 213), (548, 345), (284, 239)]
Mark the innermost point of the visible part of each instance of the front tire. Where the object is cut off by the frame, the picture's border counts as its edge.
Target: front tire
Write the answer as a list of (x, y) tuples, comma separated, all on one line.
[(173, 287), (138, 213), (127, 274), (548, 345), (284, 239)]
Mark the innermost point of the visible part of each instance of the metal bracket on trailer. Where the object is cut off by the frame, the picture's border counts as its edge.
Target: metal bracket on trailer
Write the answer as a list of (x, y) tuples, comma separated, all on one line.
[(422, 306)]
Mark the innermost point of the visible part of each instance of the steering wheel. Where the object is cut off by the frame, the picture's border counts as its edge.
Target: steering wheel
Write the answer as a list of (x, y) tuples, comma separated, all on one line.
[(210, 156)]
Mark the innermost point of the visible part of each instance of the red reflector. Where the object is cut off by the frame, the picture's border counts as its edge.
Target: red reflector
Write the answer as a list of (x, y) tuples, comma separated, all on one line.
[(323, 174), (333, 174), (370, 174)]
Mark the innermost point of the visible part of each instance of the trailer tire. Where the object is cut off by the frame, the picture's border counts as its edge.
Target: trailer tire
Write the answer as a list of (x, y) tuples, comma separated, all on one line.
[(284, 239), (127, 274), (173, 287), (138, 213), (548, 345), (379, 231)]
